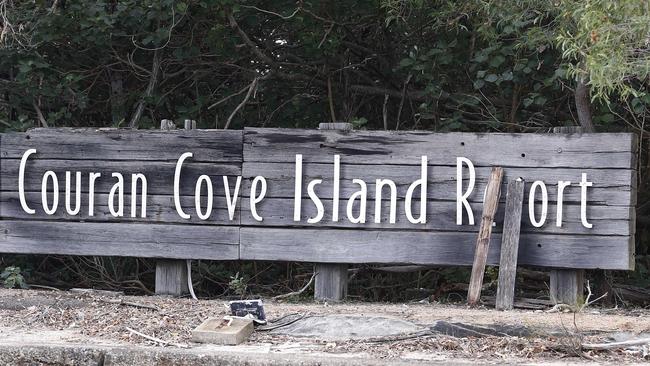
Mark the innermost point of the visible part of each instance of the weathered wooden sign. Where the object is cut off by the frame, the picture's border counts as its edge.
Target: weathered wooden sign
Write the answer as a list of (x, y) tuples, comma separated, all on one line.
[(318, 196)]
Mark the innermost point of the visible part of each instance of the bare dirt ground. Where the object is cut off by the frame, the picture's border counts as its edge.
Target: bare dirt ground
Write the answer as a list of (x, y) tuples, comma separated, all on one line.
[(557, 337)]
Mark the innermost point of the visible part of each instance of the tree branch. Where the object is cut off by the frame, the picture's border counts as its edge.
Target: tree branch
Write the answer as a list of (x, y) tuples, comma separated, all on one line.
[(39, 113), (256, 50), (155, 69), (252, 87)]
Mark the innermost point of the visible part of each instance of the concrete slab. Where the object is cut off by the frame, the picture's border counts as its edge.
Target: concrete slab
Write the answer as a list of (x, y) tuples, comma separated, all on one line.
[(68, 348)]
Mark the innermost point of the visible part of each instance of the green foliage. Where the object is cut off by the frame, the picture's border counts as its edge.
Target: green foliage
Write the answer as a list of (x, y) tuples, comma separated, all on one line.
[(460, 65), (607, 40), (12, 277), (238, 284)]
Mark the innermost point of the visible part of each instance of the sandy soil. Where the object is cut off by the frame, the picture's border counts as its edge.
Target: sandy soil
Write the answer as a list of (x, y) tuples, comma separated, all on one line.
[(103, 317)]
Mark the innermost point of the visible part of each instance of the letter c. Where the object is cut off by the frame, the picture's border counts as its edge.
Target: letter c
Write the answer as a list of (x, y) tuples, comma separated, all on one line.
[(177, 180), (21, 181)]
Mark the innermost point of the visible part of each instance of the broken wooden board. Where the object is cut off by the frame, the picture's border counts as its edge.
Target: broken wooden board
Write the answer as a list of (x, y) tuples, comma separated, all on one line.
[(231, 331)]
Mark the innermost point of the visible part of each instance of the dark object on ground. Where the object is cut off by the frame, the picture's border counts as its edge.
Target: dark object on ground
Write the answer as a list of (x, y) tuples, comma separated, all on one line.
[(244, 307)]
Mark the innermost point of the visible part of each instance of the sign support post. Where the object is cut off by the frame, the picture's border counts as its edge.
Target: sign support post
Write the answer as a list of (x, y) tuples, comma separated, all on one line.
[(567, 285), (171, 274), (331, 278)]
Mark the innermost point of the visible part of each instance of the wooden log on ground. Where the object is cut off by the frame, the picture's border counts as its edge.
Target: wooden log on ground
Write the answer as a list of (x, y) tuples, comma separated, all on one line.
[(483, 241), (510, 245)]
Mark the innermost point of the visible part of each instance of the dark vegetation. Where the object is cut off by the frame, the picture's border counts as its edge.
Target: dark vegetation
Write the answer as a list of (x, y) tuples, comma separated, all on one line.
[(510, 66)]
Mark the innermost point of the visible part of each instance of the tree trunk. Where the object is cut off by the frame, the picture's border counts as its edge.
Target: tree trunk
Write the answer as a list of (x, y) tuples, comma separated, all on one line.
[(118, 108), (583, 106)]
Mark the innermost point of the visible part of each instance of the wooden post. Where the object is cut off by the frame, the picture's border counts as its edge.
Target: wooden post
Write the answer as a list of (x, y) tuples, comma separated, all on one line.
[(510, 245), (171, 274), (171, 277), (567, 285), (190, 124), (483, 242), (331, 283)]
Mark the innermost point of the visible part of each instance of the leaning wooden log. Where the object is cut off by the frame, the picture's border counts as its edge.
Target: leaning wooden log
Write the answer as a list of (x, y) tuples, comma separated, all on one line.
[(510, 245), (490, 204)]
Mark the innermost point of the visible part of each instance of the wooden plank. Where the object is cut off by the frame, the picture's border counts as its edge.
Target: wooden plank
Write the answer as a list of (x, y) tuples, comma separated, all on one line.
[(343, 126), (331, 281), (120, 144), (160, 209), (608, 150), (611, 186), (135, 240), (171, 277), (427, 247), (567, 286), (160, 175), (483, 242), (510, 245), (441, 216)]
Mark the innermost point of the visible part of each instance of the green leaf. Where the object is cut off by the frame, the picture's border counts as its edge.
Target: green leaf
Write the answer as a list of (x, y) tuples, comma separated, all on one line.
[(181, 7), (406, 62), (540, 100), (491, 78), (497, 60), (527, 102)]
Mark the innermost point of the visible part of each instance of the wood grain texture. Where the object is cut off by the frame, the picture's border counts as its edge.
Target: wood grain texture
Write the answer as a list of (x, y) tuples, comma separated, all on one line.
[(612, 187), (425, 247), (119, 239), (441, 216), (490, 205), (510, 245), (604, 150), (160, 209), (123, 144), (171, 277), (331, 281), (608, 159), (160, 175), (567, 286), (344, 126)]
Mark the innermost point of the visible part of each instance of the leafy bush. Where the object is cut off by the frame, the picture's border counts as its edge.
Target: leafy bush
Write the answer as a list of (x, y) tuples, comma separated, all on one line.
[(12, 277)]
